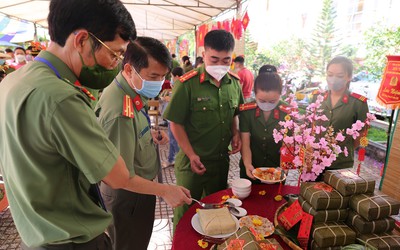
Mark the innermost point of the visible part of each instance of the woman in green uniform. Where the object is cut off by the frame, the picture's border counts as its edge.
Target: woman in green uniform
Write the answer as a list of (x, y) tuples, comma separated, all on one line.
[(341, 107), (257, 121)]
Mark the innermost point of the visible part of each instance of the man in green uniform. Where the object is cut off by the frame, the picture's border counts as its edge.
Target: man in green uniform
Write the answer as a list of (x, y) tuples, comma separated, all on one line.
[(122, 114), (53, 151), (203, 114)]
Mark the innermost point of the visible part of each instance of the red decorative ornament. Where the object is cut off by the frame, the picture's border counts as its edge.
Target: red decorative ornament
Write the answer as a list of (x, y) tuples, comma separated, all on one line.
[(226, 25), (245, 20)]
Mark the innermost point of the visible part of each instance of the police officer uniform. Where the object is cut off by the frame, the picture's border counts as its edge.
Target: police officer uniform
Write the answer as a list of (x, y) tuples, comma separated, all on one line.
[(206, 112), (51, 157), (264, 151), (122, 114), (350, 108)]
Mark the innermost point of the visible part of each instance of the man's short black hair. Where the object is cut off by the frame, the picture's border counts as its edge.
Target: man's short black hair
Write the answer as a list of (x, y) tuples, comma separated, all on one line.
[(139, 51), (8, 50), (239, 59), (20, 48), (219, 40), (177, 71), (104, 18), (267, 68)]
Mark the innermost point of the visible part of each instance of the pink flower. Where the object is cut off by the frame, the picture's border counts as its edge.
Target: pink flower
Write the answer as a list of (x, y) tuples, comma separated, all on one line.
[(305, 131), (358, 125), (298, 138), (340, 137), (371, 117), (288, 140), (277, 136), (345, 152)]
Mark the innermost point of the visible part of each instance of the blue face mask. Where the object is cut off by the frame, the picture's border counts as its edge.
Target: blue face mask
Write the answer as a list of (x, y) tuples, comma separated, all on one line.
[(2, 61), (149, 89)]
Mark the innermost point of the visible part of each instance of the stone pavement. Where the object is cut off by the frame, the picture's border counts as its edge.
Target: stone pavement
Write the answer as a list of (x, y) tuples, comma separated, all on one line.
[(162, 232)]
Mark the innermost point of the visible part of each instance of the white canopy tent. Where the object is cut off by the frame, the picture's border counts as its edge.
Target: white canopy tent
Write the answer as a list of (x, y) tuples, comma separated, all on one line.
[(161, 19)]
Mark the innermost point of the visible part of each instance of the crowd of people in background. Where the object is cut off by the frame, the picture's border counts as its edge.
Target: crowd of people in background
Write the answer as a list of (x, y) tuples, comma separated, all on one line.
[(13, 59)]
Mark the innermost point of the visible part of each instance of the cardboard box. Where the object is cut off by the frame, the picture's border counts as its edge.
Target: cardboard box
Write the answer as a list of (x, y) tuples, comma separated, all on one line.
[(291, 215), (305, 230)]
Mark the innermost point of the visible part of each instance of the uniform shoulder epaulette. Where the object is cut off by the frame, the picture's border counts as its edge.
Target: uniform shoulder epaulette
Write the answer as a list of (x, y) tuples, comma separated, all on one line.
[(359, 97), (285, 109), (247, 106), (234, 75), (188, 75)]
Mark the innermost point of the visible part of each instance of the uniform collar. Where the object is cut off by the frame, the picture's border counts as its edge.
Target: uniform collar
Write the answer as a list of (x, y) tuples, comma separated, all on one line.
[(343, 100), (205, 77), (138, 100), (62, 68)]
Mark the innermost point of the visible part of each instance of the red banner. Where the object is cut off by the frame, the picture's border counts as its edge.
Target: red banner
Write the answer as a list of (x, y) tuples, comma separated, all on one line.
[(389, 91)]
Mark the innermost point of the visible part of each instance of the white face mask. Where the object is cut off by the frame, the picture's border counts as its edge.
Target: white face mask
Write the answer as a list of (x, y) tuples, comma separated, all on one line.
[(336, 83), (217, 71), (266, 106), (20, 58)]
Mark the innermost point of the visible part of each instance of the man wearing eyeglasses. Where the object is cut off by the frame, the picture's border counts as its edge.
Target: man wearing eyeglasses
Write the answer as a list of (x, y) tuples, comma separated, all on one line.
[(122, 114), (52, 149)]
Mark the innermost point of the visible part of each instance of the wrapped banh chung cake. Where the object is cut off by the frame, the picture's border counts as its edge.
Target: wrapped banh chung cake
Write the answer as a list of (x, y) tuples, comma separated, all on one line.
[(216, 221)]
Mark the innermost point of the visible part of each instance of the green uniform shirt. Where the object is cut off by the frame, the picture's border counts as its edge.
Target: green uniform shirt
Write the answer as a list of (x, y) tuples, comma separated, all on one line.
[(206, 111), (347, 111), (52, 149), (131, 136), (264, 151)]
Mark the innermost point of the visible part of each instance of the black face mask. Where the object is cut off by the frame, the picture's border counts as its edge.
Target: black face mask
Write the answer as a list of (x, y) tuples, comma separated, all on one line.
[(96, 77)]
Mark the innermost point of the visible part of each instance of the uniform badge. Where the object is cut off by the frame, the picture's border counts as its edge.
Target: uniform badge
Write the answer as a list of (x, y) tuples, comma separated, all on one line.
[(84, 90), (326, 95), (359, 97), (276, 114), (187, 76), (247, 106), (202, 77), (128, 107), (258, 112), (138, 102), (345, 99)]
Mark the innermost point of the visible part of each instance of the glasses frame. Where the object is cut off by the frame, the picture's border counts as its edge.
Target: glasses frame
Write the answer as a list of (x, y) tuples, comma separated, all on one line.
[(117, 57)]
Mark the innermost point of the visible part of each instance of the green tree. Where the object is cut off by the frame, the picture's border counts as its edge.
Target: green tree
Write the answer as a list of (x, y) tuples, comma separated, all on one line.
[(324, 43), (379, 42), (255, 58)]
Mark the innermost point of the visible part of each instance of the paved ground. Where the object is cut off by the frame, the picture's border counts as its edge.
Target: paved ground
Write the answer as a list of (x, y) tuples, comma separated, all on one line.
[(161, 238)]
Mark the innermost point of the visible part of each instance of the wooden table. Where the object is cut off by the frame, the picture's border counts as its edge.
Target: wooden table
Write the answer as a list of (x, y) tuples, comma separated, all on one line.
[(186, 237)]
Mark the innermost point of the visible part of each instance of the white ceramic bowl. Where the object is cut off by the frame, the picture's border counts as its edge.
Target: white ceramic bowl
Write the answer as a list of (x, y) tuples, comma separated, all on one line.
[(241, 184), (241, 190), (241, 195)]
